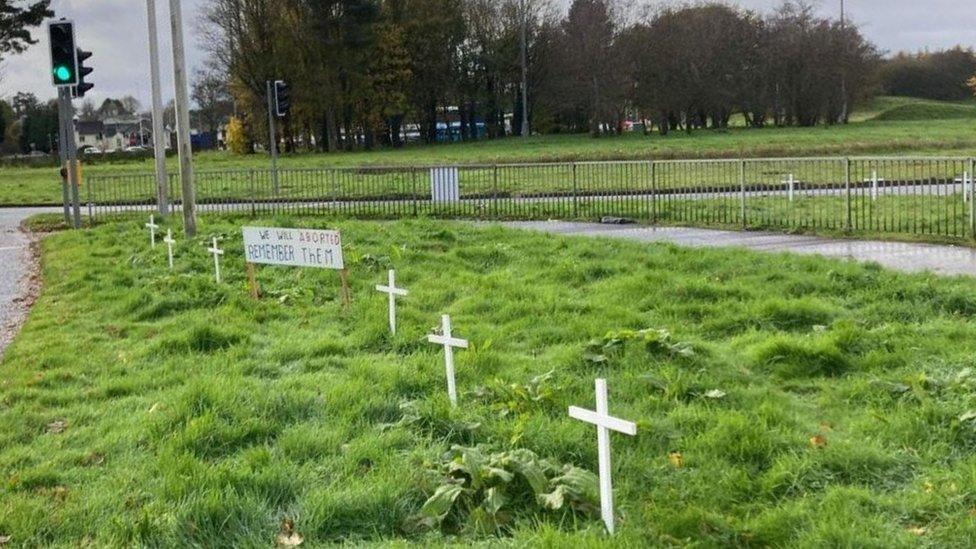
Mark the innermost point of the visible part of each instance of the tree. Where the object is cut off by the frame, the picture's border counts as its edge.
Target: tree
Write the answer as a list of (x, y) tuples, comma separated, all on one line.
[(237, 140), (972, 84), (39, 127), (16, 23), (212, 98), (88, 112), (940, 75)]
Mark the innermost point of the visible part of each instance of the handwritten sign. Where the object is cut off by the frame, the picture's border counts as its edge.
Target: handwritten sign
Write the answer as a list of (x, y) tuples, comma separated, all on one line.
[(293, 247)]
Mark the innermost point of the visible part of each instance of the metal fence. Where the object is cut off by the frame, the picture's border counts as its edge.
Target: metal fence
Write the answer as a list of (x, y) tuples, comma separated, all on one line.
[(899, 196)]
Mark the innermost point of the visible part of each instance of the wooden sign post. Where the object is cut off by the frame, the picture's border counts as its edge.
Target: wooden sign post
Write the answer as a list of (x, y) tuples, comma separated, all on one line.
[(307, 248)]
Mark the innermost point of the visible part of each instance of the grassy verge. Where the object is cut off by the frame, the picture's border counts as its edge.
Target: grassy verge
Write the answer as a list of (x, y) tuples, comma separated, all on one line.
[(796, 401), (942, 137)]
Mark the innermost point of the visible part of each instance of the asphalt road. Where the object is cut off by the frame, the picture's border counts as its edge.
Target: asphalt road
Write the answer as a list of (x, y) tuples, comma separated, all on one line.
[(900, 256), (13, 268)]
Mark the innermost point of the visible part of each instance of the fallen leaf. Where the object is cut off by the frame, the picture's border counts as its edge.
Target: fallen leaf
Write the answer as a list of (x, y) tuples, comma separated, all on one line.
[(917, 530), (676, 460), (4, 540), (968, 416), (818, 441), (56, 427), (715, 393)]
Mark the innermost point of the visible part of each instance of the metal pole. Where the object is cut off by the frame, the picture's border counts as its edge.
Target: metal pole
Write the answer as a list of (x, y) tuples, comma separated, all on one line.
[(273, 140), (63, 128), (183, 120), (742, 184), (72, 154), (525, 69), (972, 196), (847, 191), (159, 145)]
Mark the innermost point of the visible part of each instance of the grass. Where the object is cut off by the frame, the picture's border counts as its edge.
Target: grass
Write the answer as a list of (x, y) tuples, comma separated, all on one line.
[(904, 108), (823, 403), (23, 186)]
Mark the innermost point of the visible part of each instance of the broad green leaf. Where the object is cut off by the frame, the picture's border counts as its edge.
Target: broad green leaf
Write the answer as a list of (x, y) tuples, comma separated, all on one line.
[(554, 500), (494, 501), (439, 505)]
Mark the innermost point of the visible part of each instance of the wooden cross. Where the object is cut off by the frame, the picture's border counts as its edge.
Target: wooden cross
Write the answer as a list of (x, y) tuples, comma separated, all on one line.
[(790, 186), (217, 252), (393, 291), (152, 226), (874, 184), (604, 424), (449, 344), (169, 246), (967, 183)]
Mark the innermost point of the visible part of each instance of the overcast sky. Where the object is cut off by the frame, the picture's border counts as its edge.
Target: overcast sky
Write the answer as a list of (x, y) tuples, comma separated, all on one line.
[(115, 30)]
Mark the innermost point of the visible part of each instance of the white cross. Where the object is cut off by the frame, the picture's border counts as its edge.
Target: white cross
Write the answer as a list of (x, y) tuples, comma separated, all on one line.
[(790, 186), (217, 252), (449, 344), (604, 424), (967, 184), (393, 291), (874, 184), (169, 246), (152, 226)]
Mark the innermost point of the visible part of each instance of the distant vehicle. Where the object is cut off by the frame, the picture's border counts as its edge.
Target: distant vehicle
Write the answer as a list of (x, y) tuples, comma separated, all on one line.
[(88, 149), (136, 148), (35, 154)]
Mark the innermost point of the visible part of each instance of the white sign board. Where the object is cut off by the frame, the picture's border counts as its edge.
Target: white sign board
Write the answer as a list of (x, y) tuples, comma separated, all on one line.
[(293, 247), (445, 185)]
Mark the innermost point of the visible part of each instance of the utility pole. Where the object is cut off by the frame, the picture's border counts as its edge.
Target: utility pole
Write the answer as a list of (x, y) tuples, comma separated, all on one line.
[(183, 120), (272, 137), (67, 112), (843, 76), (525, 67)]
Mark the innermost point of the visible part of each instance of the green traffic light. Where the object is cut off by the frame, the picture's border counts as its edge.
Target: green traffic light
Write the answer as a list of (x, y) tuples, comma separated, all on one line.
[(62, 73)]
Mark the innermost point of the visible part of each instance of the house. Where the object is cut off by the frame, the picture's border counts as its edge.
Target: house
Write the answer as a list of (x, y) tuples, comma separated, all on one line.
[(116, 133), (89, 133)]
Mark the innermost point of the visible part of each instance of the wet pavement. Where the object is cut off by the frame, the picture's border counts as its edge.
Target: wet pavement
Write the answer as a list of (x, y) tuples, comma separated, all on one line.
[(13, 264), (901, 256)]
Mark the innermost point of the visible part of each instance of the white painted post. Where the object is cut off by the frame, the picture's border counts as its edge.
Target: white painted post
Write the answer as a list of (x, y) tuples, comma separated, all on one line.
[(449, 344), (152, 226), (169, 246), (217, 252), (791, 181), (874, 185), (604, 424), (393, 291)]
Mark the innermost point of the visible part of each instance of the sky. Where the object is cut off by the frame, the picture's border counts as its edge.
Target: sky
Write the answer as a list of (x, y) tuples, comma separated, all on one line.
[(115, 30)]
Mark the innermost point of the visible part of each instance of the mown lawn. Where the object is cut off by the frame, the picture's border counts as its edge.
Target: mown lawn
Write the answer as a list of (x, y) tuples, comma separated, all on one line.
[(952, 137), (792, 402)]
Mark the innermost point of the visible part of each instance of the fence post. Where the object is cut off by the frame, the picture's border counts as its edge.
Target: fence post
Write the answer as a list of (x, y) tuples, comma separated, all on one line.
[(494, 191), (653, 168), (252, 190), (413, 185), (91, 205), (575, 194), (742, 184), (972, 196), (847, 194)]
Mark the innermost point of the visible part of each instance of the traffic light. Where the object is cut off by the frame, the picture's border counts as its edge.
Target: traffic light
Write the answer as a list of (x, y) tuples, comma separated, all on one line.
[(64, 60), (82, 88), (282, 95)]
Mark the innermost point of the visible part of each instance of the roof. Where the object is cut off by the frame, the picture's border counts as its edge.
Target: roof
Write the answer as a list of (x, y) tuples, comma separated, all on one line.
[(89, 127)]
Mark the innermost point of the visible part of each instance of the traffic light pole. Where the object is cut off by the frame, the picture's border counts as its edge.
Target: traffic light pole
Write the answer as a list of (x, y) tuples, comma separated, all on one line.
[(273, 138), (183, 120), (63, 154), (70, 152)]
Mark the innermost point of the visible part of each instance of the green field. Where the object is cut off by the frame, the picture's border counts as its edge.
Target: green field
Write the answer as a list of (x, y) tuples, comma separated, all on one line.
[(953, 136), (780, 400)]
